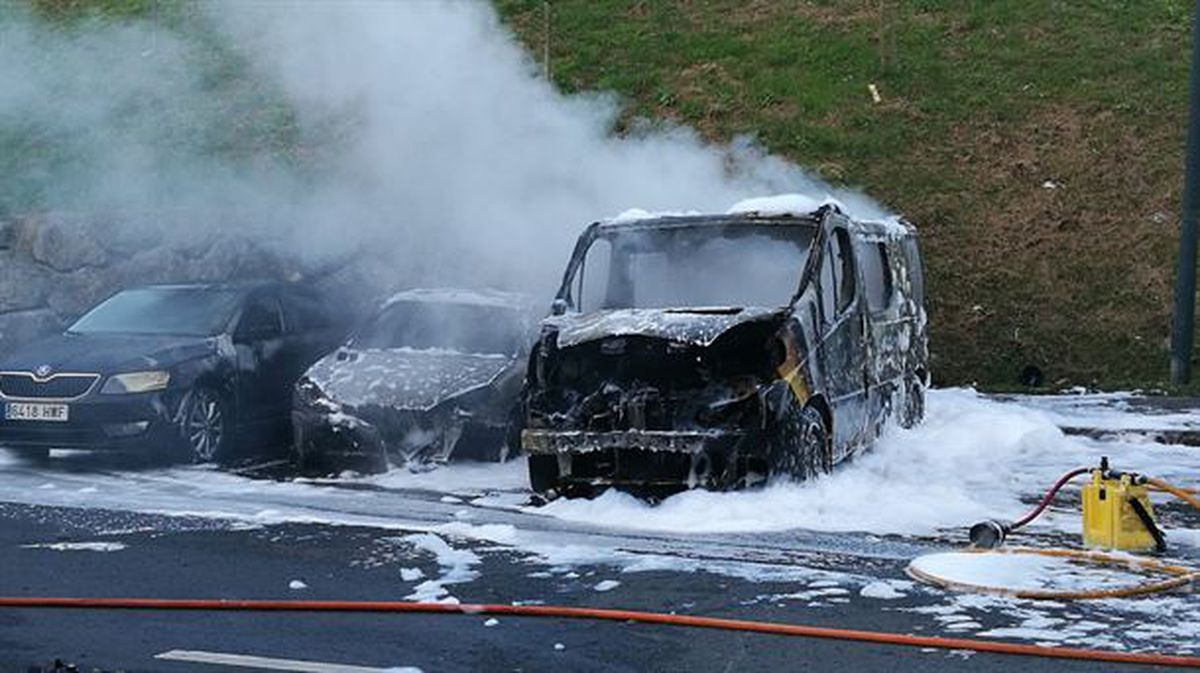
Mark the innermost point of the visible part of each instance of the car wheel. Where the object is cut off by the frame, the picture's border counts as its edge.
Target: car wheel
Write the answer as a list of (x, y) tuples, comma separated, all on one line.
[(800, 448), (914, 406), (206, 426)]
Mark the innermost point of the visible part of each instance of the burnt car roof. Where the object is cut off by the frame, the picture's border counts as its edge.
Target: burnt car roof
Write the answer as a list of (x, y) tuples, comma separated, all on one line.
[(449, 295), (890, 227), (697, 221)]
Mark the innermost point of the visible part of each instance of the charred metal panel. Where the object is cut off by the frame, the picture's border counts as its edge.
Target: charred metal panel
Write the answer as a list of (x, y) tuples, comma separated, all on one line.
[(698, 326), (405, 379), (675, 441)]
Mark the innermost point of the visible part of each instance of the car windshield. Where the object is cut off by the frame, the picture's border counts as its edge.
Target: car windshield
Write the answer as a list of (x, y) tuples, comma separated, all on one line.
[(183, 311), (467, 328), (695, 266)]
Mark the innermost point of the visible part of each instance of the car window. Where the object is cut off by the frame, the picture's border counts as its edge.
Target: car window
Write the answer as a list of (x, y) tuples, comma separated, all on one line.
[(699, 266), (445, 326), (845, 269), (594, 276), (877, 275), (261, 319), (183, 311), (916, 274), (828, 285), (304, 311)]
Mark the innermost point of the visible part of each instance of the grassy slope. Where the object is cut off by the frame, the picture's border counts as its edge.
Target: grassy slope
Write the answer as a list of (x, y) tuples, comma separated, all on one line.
[(983, 102)]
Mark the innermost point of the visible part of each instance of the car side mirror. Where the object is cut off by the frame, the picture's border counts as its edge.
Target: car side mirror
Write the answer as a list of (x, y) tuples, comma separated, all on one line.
[(559, 307)]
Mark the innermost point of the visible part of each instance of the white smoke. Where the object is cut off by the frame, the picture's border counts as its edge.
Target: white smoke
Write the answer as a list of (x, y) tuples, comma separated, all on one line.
[(441, 152)]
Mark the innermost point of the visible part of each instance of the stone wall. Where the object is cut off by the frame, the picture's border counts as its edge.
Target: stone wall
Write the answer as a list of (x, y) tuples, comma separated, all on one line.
[(55, 267)]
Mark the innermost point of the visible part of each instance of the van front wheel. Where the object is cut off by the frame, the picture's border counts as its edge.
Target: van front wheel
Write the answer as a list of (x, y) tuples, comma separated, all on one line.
[(800, 448)]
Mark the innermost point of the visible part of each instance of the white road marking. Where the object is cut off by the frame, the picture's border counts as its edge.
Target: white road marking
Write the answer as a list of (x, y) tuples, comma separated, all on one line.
[(270, 664)]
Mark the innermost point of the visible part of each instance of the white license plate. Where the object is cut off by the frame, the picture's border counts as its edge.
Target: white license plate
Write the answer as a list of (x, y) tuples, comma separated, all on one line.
[(35, 411)]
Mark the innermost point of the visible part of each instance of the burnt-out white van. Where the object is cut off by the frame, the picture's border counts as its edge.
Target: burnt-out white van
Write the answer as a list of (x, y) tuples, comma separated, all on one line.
[(717, 351)]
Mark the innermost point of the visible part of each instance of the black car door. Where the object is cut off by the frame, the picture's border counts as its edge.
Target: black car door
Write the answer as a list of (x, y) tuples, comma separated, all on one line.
[(261, 359), (310, 330), (843, 346)]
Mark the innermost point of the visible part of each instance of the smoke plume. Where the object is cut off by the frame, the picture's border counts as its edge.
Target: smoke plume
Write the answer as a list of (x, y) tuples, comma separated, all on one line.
[(417, 137)]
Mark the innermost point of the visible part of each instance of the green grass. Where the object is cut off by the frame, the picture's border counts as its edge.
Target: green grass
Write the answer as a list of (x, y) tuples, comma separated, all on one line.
[(983, 102), (224, 110)]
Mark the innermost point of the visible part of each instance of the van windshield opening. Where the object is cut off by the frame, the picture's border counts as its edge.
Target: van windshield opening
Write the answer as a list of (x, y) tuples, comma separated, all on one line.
[(702, 266)]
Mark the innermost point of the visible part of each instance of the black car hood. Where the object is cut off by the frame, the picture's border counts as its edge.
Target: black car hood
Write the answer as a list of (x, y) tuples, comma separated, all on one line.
[(404, 378), (696, 326), (107, 353)]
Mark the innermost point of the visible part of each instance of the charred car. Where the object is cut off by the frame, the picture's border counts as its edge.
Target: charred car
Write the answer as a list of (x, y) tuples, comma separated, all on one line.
[(716, 351), (432, 376), (194, 372)]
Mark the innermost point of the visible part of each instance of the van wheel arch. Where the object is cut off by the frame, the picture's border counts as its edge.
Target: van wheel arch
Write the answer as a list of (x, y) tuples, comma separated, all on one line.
[(819, 403)]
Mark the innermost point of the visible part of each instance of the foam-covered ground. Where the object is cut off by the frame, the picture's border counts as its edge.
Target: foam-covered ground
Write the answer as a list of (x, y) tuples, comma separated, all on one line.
[(842, 537)]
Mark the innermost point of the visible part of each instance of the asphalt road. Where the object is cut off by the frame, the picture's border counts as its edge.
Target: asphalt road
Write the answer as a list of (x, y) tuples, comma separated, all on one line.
[(176, 557), (192, 532)]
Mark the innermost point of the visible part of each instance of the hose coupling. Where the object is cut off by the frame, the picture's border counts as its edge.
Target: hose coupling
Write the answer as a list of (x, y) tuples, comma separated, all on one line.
[(989, 534)]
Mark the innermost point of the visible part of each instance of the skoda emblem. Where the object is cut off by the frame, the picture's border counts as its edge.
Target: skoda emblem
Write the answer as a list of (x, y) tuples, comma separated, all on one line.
[(43, 371)]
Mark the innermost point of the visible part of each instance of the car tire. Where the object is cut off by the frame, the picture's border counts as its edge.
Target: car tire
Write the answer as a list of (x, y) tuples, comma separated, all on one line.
[(800, 447), (205, 426)]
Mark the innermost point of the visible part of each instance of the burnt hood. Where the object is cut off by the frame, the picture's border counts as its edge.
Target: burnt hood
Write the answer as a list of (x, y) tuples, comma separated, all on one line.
[(696, 326), (404, 378)]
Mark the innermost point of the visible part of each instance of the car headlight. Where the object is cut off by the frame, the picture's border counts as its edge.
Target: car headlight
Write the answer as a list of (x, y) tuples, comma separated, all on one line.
[(136, 382), (308, 394)]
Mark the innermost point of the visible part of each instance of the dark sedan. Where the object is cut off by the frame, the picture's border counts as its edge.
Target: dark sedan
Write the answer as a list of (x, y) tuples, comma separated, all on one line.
[(184, 372)]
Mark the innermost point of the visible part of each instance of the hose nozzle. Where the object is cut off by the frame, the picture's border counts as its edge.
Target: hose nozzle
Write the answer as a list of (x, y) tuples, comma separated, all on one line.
[(989, 534)]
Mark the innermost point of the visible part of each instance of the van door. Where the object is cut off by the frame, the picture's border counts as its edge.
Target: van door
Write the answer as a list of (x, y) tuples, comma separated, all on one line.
[(843, 347), (887, 337)]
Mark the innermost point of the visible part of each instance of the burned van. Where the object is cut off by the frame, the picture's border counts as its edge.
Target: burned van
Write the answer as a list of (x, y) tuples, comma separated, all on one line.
[(718, 351)]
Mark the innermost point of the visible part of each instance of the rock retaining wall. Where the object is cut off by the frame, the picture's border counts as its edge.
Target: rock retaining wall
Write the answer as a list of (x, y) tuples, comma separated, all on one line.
[(54, 267)]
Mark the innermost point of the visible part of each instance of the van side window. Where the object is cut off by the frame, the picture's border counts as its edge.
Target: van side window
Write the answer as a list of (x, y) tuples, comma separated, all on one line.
[(828, 285), (595, 283), (916, 273), (845, 269), (877, 274)]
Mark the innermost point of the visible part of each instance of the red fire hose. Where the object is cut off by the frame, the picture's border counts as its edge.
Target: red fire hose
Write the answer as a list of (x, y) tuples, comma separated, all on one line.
[(978, 645)]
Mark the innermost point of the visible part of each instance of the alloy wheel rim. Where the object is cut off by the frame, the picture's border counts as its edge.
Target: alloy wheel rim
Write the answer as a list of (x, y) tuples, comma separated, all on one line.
[(205, 427)]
